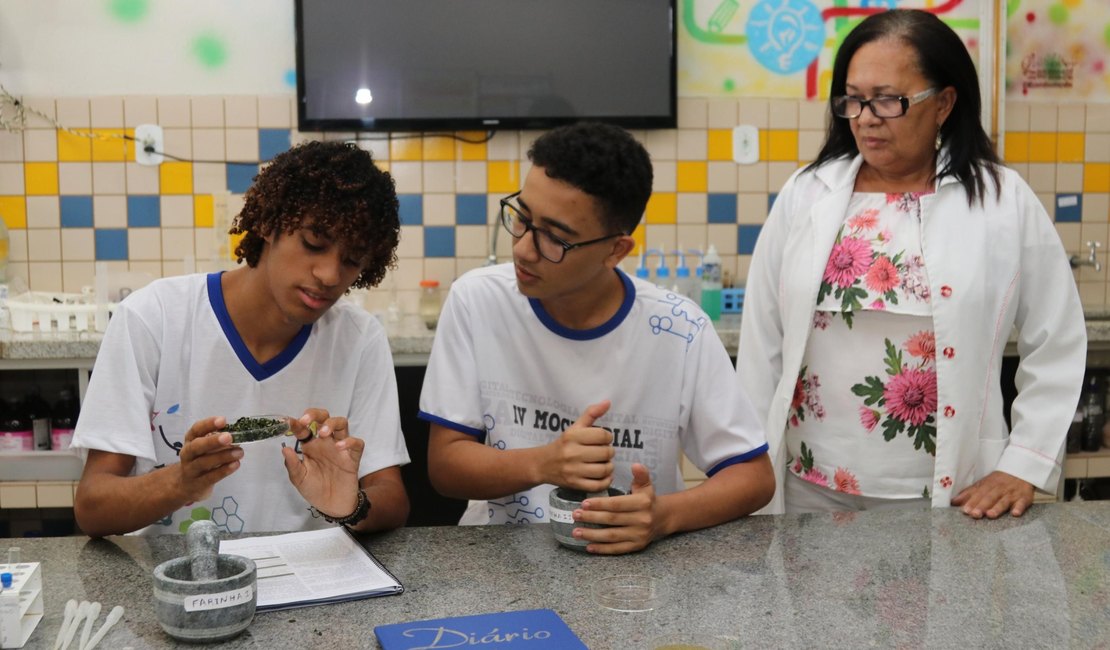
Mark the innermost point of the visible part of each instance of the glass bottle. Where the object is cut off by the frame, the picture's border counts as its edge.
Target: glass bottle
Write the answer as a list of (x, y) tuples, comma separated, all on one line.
[(38, 412), (430, 303), (1093, 415), (66, 410), (15, 429)]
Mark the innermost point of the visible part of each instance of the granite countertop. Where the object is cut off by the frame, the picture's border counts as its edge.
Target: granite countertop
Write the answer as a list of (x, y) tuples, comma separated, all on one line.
[(410, 341), (894, 578)]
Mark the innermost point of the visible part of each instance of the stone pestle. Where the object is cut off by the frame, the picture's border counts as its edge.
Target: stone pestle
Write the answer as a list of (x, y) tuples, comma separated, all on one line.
[(203, 543)]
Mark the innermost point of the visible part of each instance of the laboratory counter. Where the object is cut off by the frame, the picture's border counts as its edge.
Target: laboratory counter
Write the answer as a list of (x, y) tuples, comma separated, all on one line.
[(895, 578)]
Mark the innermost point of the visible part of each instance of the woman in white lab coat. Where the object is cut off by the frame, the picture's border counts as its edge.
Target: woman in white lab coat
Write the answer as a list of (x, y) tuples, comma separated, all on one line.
[(885, 286)]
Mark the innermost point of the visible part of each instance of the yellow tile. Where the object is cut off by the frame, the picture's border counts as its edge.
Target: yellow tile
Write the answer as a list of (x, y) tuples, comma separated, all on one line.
[(692, 176), (405, 148), (471, 150), (502, 176), (1042, 147), (1096, 177), (129, 151), (13, 210), (203, 211), (41, 177), (110, 146), (640, 236), (720, 144), (782, 145), (1069, 147), (232, 242), (176, 177), (662, 207), (439, 148), (1017, 147), (73, 148), (763, 144)]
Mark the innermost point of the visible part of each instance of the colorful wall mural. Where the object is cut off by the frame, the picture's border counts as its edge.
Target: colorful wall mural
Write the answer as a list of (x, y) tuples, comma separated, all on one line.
[(1058, 50)]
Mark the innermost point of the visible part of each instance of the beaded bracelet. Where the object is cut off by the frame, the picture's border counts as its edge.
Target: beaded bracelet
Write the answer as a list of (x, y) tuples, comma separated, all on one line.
[(362, 510)]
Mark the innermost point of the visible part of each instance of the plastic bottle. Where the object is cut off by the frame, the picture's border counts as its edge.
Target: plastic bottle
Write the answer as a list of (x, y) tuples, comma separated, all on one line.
[(711, 283), (1093, 408), (66, 410), (38, 412), (642, 271), (663, 274), (15, 429), (430, 303)]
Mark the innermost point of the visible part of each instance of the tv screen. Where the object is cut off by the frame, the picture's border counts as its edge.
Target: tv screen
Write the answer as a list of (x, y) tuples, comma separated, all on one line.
[(484, 64)]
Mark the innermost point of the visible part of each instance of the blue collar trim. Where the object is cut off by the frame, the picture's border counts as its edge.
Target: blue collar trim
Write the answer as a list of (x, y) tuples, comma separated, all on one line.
[(596, 332)]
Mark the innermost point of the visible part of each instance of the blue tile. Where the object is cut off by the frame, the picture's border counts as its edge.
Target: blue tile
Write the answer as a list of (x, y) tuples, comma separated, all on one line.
[(1069, 208), (470, 210), (411, 209), (771, 201), (144, 211), (76, 211), (271, 142), (111, 243), (439, 241), (240, 176), (745, 238), (722, 208)]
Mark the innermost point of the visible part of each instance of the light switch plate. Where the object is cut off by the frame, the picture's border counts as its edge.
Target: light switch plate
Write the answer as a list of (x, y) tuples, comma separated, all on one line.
[(745, 144), (148, 135)]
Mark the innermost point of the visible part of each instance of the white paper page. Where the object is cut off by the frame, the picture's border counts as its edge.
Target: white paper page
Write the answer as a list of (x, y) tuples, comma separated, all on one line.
[(310, 565)]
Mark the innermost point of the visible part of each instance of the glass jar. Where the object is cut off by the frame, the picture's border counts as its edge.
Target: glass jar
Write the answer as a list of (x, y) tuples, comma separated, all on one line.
[(430, 303)]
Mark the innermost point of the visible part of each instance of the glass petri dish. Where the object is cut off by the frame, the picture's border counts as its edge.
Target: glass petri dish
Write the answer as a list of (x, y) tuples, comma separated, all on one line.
[(256, 428), (629, 593)]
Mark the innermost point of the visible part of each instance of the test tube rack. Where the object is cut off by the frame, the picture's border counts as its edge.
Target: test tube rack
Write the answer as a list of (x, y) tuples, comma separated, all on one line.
[(21, 605)]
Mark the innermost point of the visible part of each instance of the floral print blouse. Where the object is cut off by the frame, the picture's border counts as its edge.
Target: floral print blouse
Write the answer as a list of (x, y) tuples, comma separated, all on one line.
[(863, 417)]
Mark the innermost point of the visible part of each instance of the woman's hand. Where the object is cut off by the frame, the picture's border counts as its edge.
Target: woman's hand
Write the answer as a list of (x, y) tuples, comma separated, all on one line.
[(326, 474), (994, 494)]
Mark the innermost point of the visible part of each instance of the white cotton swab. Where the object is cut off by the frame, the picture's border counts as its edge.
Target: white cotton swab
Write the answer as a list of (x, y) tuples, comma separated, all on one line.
[(67, 619), (82, 610), (113, 616), (90, 618)]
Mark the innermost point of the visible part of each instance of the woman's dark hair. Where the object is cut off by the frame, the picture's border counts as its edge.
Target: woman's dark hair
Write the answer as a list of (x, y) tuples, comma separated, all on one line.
[(603, 161), (942, 59), (335, 187)]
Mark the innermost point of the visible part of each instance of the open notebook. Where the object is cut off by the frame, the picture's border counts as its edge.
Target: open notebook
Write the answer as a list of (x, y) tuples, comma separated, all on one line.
[(313, 567)]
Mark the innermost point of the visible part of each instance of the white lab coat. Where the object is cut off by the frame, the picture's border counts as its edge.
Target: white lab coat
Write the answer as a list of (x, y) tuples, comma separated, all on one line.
[(991, 266)]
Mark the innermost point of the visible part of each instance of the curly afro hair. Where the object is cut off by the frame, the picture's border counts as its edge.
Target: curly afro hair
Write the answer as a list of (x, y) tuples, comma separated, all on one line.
[(339, 191), (603, 161)]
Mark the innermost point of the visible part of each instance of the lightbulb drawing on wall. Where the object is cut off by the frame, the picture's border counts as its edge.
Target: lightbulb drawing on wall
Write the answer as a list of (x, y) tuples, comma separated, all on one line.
[(363, 96)]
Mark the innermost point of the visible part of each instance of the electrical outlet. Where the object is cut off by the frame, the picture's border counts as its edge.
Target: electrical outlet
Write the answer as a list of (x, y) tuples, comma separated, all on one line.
[(745, 144), (148, 144)]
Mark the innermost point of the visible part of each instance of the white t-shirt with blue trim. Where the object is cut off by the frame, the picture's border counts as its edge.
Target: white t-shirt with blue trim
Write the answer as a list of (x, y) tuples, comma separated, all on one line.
[(505, 372), (171, 356)]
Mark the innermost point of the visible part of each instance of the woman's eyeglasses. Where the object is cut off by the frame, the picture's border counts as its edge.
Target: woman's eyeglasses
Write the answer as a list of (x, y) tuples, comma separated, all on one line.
[(881, 106), (549, 246)]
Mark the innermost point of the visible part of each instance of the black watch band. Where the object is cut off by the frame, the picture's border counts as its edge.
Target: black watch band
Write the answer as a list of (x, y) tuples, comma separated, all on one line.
[(362, 510)]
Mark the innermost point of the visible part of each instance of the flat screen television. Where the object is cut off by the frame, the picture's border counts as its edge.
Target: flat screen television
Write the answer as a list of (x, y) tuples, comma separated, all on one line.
[(422, 65)]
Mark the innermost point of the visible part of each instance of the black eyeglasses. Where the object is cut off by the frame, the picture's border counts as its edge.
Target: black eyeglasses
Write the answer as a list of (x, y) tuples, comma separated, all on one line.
[(550, 247), (881, 105)]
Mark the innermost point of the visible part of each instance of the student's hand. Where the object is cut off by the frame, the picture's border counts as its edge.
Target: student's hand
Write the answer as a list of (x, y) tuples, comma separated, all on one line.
[(995, 494), (205, 459), (635, 518), (581, 458), (327, 473)]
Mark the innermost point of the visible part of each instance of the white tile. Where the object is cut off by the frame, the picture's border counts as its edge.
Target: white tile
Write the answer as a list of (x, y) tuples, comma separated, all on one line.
[(20, 270), (471, 241), (692, 144), (242, 145), (722, 176), (754, 112), (76, 275), (241, 111), (142, 179), (150, 267), (43, 212), (45, 276), (688, 236), (778, 173), (139, 109), (664, 176), (692, 113), (504, 146), (660, 236), (408, 177), (207, 111), (412, 242), (174, 112), (661, 144), (813, 114), (274, 113), (73, 112), (723, 236), (40, 145), (144, 243), (722, 113), (439, 176), (11, 146), (109, 178), (441, 269), (209, 178), (439, 209), (782, 113), (106, 112), (208, 144), (44, 245), (17, 244), (470, 177), (75, 178), (178, 142), (377, 146), (751, 207), (177, 243), (78, 244), (693, 207), (177, 212), (110, 211), (1017, 117), (44, 105), (11, 179)]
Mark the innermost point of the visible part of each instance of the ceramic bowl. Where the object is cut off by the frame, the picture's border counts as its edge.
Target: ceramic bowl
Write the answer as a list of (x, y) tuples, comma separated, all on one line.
[(204, 611)]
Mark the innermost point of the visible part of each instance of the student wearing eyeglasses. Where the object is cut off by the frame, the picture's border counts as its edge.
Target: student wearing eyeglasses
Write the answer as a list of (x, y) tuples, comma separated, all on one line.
[(558, 370), (884, 288)]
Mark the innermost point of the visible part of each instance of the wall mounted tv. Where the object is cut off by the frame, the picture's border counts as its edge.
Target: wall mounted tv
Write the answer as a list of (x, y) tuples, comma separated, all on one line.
[(423, 65)]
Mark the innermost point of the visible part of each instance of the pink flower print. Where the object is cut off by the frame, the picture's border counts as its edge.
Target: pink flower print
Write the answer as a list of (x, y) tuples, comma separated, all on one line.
[(914, 282), (911, 395), (882, 276), (845, 481), (886, 236), (849, 260), (923, 344), (797, 465), (878, 305), (799, 395), (865, 220), (815, 475), (821, 320), (868, 417)]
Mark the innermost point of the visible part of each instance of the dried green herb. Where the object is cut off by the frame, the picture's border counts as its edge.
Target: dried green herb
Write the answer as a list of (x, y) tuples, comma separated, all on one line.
[(248, 429)]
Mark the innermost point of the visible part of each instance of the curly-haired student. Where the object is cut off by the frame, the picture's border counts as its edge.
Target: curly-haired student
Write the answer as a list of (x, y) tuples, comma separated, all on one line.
[(185, 356)]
